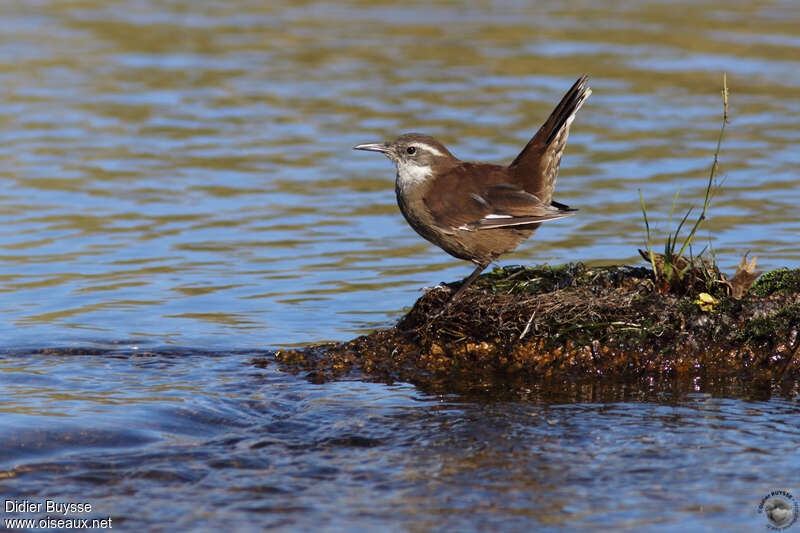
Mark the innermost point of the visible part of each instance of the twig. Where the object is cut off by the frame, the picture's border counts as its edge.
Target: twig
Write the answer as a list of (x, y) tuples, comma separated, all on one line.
[(528, 325)]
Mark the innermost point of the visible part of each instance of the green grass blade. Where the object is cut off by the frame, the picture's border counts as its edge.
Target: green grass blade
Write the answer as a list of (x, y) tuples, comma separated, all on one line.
[(672, 209), (649, 241), (714, 166)]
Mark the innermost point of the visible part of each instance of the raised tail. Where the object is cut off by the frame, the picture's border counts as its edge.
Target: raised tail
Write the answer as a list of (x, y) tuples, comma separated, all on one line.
[(536, 167)]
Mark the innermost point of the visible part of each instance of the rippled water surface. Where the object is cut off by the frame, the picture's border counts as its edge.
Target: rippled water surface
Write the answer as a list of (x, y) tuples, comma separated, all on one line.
[(180, 174)]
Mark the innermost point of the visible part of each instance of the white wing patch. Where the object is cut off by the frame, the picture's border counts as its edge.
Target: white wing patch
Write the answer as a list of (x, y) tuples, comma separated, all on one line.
[(472, 226)]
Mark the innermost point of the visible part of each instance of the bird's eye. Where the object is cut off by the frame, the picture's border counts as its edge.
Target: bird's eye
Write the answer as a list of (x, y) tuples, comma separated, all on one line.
[(411, 150)]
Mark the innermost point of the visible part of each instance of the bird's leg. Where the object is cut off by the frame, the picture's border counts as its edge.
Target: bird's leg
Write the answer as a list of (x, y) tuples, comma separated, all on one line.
[(464, 286), (466, 283)]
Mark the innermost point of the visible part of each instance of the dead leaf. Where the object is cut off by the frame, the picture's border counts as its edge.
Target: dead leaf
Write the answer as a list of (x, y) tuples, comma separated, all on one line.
[(744, 278)]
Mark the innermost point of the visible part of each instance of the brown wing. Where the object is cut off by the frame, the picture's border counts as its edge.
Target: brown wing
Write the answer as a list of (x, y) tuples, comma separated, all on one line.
[(536, 167), (461, 202)]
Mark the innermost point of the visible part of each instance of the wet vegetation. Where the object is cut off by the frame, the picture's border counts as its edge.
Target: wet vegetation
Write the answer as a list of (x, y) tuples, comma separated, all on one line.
[(519, 327), (672, 271)]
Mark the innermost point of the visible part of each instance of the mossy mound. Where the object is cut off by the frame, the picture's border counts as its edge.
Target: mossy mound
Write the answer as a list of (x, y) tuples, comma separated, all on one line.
[(519, 327)]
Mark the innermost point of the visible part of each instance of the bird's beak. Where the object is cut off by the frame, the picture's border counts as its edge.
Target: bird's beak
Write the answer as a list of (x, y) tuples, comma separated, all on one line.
[(373, 147)]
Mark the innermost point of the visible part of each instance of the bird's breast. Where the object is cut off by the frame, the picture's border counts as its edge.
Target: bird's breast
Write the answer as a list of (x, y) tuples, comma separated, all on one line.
[(411, 201)]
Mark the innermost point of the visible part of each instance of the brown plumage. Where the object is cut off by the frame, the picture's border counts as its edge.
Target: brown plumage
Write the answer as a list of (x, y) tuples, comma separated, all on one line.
[(478, 211)]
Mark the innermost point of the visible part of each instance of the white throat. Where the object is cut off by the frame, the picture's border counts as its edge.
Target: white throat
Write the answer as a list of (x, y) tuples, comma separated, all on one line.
[(411, 176)]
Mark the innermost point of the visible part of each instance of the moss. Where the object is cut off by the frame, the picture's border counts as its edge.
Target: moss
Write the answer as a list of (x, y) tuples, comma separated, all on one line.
[(522, 280), (770, 331), (781, 281), (687, 307), (528, 325)]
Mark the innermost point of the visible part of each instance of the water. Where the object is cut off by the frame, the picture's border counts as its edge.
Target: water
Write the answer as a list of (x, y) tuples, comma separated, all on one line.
[(195, 442), (178, 175)]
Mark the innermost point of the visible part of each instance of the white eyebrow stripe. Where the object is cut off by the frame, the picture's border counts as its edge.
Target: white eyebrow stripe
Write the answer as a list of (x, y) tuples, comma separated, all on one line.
[(429, 148)]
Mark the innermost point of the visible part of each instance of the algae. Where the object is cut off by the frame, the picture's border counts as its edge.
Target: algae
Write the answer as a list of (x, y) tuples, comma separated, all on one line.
[(519, 327)]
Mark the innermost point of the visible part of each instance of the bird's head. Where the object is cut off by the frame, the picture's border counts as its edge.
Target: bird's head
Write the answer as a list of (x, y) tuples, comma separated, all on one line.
[(415, 155)]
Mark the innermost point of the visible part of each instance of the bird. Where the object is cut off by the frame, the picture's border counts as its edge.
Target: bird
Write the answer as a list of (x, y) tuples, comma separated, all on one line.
[(778, 511), (478, 211)]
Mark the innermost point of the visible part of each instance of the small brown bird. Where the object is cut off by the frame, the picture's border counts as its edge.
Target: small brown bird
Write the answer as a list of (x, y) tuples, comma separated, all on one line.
[(478, 211)]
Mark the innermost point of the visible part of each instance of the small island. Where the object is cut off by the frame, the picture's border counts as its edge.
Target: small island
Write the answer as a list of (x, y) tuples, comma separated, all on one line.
[(519, 327)]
